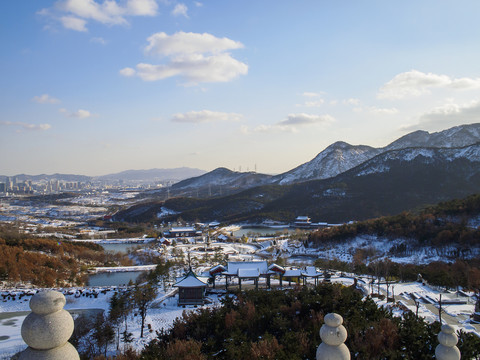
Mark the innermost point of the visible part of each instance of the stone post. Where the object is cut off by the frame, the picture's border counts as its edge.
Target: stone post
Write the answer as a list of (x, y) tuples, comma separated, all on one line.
[(447, 350), (333, 335), (47, 328)]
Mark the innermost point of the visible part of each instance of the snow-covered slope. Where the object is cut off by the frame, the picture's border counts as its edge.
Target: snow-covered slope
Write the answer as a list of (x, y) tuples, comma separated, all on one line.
[(335, 159), (458, 136), (380, 163), (222, 177), (340, 156)]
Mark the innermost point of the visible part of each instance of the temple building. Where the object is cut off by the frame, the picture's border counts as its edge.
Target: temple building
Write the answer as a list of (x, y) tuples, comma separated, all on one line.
[(191, 289)]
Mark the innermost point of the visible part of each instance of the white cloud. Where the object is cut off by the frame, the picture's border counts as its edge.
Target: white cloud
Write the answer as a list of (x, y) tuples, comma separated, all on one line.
[(195, 69), (182, 43), (376, 110), (98, 40), (198, 3), (45, 99), (447, 115), (194, 57), (180, 10), (79, 114), (316, 99), (73, 23), (74, 14), (384, 111), (311, 94), (127, 72), (314, 103), (26, 126), (293, 121), (205, 116), (416, 83), (352, 101), (142, 7), (305, 119)]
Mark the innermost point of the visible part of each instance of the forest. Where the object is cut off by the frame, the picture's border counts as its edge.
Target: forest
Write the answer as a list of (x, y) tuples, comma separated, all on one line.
[(440, 225), (48, 262), (449, 228), (282, 325)]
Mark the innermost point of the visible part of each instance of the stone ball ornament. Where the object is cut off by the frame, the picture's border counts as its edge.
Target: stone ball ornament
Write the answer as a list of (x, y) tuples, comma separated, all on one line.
[(333, 335), (447, 349), (47, 328)]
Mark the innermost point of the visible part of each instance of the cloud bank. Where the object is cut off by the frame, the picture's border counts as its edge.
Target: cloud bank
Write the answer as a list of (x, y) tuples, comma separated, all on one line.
[(25, 126), (45, 99), (194, 57), (75, 14), (294, 121), (415, 83), (79, 114), (204, 116), (447, 115)]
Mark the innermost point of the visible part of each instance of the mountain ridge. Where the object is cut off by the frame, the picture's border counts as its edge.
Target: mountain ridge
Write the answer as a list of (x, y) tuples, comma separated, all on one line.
[(392, 182)]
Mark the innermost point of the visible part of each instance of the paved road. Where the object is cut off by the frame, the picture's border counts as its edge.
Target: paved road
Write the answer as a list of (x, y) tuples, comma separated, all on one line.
[(451, 320)]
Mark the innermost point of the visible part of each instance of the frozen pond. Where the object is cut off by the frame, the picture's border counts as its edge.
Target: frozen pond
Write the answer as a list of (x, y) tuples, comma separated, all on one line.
[(262, 231), (113, 278), (122, 247)]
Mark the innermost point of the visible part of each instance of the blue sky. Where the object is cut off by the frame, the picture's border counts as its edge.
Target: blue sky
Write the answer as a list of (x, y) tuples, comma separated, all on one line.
[(94, 87)]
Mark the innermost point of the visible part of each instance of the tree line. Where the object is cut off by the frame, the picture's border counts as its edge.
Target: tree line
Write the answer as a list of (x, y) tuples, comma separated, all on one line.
[(47, 262), (440, 225), (281, 325)]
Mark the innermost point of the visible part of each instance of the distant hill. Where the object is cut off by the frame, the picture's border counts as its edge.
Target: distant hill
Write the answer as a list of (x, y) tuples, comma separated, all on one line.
[(453, 222), (387, 184), (218, 182), (340, 156), (335, 159), (150, 175)]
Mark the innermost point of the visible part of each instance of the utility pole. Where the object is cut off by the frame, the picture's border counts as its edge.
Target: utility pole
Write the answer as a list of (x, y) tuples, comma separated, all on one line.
[(440, 309)]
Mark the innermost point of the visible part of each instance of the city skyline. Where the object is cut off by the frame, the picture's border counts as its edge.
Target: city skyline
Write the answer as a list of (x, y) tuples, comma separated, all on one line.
[(94, 87)]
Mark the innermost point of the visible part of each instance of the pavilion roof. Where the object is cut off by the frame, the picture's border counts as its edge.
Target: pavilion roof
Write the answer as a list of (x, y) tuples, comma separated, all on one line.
[(190, 280)]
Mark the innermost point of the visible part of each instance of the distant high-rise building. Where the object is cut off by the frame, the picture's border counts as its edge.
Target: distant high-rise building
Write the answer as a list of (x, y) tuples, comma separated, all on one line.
[(3, 187), (9, 184)]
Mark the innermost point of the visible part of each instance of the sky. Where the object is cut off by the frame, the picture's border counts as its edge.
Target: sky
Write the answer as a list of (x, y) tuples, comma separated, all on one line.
[(94, 87)]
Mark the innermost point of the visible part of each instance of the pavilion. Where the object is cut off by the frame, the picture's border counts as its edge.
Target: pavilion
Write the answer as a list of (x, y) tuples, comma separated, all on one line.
[(250, 270), (191, 289)]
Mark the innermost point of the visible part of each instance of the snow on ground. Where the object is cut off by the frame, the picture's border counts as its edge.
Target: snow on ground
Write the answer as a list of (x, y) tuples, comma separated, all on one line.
[(160, 316), (165, 310), (125, 268), (13, 312), (164, 212), (140, 240)]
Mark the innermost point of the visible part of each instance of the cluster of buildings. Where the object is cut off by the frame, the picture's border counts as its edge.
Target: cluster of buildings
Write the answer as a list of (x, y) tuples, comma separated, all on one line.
[(192, 287), (13, 186)]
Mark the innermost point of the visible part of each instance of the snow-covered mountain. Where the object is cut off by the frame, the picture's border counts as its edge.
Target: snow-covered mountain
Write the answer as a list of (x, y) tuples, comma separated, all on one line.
[(340, 156), (458, 136), (425, 155), (335, 159), (220, 181)]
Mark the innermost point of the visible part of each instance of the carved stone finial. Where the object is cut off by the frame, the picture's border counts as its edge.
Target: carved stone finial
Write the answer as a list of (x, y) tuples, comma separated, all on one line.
[(333, 335), (47, 328), (447, 349)]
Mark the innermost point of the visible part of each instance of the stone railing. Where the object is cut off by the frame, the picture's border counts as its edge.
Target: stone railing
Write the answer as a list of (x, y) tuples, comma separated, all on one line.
[(334, 334), (47, 328)]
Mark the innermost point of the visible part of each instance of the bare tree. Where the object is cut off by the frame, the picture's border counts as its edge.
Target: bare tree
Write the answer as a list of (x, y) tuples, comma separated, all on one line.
[(143, 296)]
